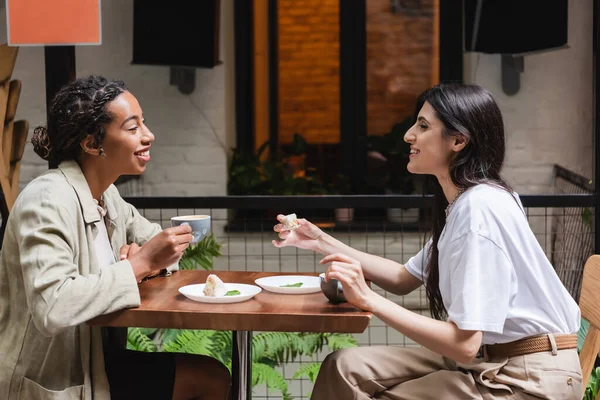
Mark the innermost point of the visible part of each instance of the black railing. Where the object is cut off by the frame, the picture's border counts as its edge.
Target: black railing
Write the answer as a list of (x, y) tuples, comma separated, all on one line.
[(337, 201), (569, 252), (562, 223)]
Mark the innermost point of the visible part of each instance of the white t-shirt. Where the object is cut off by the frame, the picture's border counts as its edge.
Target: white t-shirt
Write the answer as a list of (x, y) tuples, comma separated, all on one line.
[(494, 275)]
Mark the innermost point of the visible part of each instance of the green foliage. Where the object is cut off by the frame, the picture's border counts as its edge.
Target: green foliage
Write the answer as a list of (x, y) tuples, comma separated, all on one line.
[(137, 340), (264, 374), (388, 156), (192, 342), (278, 173), (586, 215), (269, 350), (591, 391), (309, 371), (339, 341), (201, 254), (583, 330)]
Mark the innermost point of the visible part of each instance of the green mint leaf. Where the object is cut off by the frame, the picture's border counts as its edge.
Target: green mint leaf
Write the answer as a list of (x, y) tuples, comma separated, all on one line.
[(233, 293), (292, 285)]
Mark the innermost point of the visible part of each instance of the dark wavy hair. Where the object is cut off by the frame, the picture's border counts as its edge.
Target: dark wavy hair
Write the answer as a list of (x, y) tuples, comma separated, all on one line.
[(469, 111), (78, 109)]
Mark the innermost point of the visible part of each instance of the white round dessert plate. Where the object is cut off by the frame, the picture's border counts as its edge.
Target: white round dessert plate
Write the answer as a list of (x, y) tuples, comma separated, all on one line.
[(194, 292), (277, 284)]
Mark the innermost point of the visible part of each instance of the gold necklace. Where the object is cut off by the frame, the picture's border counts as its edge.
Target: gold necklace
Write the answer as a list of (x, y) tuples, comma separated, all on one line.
[(449, 206)]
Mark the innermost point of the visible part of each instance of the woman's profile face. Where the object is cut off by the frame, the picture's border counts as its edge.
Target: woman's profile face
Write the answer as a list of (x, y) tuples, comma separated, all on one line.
[(431, 150), (127, 139)]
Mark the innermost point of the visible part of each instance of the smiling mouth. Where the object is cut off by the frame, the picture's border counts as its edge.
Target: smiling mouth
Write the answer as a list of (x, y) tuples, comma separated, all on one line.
[(144, 153), (413, 151)]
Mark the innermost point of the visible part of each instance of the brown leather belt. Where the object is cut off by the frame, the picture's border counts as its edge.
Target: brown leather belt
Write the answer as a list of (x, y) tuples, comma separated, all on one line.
[(534, 344)]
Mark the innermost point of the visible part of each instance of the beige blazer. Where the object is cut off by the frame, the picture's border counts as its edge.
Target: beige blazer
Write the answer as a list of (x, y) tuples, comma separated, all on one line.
[(51, 284)]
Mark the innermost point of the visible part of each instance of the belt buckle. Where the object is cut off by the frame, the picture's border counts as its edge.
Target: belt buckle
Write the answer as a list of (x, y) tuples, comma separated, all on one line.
[(481, 352)]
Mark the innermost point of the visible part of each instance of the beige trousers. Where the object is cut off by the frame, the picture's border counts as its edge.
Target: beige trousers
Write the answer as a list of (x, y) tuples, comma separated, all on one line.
[(401, 373)]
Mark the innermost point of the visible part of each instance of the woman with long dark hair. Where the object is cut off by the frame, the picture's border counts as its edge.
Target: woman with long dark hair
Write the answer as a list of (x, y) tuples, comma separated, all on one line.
[(503, 324), (74, 250)]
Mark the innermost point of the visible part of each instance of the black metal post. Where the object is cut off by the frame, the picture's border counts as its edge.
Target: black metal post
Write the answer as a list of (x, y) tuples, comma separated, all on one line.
[(60, 70), (451, 41), (244, 73), (241, 366), (353, 91), (596, 97)]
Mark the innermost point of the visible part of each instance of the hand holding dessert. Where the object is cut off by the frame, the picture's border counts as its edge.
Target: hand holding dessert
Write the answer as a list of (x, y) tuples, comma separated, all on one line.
[(297, 232)]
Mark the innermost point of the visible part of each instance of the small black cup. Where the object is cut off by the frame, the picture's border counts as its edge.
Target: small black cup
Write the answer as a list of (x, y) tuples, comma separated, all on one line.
[(332, 290)]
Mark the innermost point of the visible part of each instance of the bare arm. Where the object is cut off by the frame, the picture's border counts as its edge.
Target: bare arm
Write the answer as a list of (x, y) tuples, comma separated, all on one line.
[(387, 274), (442, 337)]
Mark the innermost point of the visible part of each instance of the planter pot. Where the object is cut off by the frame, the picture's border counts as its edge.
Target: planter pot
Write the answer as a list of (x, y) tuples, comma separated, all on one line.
[(344, 215), (403, 216)]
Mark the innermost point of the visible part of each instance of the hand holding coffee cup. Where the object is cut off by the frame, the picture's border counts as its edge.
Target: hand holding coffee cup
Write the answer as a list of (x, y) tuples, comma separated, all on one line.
[(200, 225), (160, 252)]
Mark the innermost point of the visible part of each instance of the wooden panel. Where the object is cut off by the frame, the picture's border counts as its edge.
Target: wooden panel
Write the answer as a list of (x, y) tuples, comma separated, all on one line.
[(589, 352), (164, 307), (14, 92), (261, 72), (589, 302)]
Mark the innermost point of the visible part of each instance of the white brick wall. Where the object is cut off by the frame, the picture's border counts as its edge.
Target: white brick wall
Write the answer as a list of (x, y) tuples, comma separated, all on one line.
[(550, 120), (187, 156)]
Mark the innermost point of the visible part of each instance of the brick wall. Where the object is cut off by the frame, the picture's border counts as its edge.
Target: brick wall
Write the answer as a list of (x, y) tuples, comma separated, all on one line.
[(399, 62), (309, 68)]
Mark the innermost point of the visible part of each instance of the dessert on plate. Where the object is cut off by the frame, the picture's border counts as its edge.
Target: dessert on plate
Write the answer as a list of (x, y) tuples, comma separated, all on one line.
[(214, 286)]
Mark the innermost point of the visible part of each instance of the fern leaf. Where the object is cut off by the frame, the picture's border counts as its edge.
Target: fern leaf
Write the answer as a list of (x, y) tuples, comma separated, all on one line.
[(313, 342), (339, 341), (164, 336), (148, 331), (265, 375), (136, 340), (222, 346), (201, 254), (309, 370), (282, 347), (192, 342), (186, 263)]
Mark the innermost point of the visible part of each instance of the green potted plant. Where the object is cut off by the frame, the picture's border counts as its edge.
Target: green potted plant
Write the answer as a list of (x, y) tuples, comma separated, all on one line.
[(278, 173), (388, 156)]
